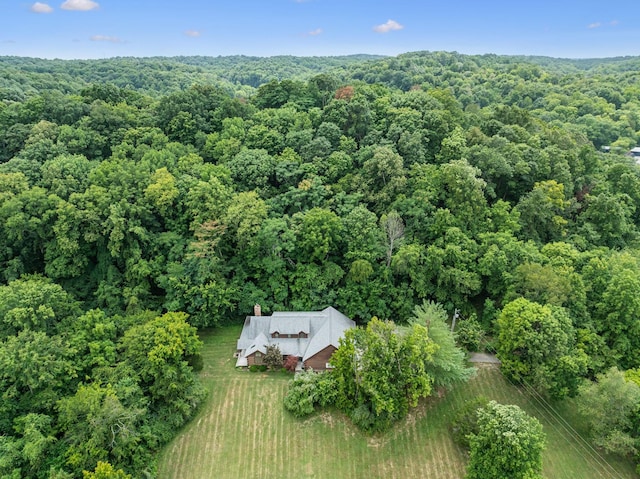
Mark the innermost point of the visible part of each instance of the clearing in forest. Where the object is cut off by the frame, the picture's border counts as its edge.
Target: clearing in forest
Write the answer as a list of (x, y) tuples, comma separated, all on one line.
[(242, 431)]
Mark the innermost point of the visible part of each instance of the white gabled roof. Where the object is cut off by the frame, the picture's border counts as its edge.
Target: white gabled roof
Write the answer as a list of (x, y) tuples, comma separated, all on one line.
[(330, 332), (324, 328), (260, 343), (288, 324)]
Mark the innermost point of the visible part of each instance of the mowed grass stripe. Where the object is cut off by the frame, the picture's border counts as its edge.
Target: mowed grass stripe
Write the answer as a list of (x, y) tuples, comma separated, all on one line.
[(242, 431)]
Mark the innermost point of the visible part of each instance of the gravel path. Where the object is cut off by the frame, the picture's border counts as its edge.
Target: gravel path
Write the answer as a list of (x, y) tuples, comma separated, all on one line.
[(483, 358)]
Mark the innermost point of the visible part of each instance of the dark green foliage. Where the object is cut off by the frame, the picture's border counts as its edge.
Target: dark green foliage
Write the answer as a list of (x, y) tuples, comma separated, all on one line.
[(465, 424), (470, 334), (204, 185), (309, 390)]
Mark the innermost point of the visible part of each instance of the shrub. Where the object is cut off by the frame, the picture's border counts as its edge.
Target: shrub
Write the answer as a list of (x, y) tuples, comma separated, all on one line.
[(196, 362), (291, 363), (273, 357), (300, 398), (469, 334), (308, 390), (466, 420)]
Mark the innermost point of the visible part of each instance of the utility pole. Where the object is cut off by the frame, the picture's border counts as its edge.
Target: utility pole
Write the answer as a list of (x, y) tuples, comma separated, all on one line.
[(456, 315)]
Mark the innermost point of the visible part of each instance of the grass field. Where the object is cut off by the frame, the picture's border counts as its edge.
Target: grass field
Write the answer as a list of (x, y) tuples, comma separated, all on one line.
[(242, 432)]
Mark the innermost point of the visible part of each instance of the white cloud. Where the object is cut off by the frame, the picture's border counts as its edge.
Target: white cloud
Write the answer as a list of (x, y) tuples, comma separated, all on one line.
[(391, 25), (193, 33), (614, 23), (106, 38), (594, 25), (315, 32), (40, 8), (82, 5)]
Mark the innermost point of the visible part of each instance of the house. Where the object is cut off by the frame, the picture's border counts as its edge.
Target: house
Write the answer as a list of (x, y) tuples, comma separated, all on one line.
[(312, 336), (635, 153)]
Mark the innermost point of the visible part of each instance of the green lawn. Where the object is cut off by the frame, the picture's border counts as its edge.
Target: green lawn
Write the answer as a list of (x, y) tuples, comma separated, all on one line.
[(242, 431)]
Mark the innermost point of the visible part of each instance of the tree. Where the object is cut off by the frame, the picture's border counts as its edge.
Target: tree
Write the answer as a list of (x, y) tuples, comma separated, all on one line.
[(159, 351), (35, 369), (508, 444), (66, 174), (381, 373), (98, 426), (252, 169), (619, 308), (611, 216), (543, 210), (447, 367), (393, 227), (465, 423), (450, 267), (34, 303), (463, 192), (383, 176), (609, 405), (536, 345), (273, 357), (35, 446), (318, 235), (291, 363), (470, 334), (104, 470), (363, 238), (162, 191)]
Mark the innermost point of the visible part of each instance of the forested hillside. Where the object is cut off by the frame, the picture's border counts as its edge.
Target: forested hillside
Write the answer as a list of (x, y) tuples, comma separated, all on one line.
[(141, 199)]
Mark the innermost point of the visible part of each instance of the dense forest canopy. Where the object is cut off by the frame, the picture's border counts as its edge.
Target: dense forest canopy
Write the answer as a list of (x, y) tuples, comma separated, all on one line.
[(141, 199)]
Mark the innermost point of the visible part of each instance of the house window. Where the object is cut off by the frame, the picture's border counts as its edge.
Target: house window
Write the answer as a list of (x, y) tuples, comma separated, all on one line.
[(258, 358)]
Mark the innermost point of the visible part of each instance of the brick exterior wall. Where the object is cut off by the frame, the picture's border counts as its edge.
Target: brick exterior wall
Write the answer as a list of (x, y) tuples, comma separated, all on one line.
[(251, 360), (319, 360)]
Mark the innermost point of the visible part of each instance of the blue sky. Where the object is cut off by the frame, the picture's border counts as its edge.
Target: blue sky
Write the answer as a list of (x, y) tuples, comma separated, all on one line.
[(107, 28)]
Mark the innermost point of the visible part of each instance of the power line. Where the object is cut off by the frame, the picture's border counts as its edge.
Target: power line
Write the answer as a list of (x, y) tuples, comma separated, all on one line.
[(584, 443), (555, 415)]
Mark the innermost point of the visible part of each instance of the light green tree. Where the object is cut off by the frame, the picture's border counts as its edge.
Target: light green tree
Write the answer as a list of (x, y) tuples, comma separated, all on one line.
[(508, 444), (536, 345), (609, 405)]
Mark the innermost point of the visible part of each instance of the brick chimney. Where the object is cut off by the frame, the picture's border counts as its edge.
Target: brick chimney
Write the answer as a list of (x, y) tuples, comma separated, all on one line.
[(257, 310)]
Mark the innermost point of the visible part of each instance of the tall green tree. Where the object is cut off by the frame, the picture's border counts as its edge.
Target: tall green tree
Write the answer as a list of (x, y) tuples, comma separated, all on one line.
[(159, 351), (381, 373), (447, 367), (609, 405), (537, 346), (509, 443)]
